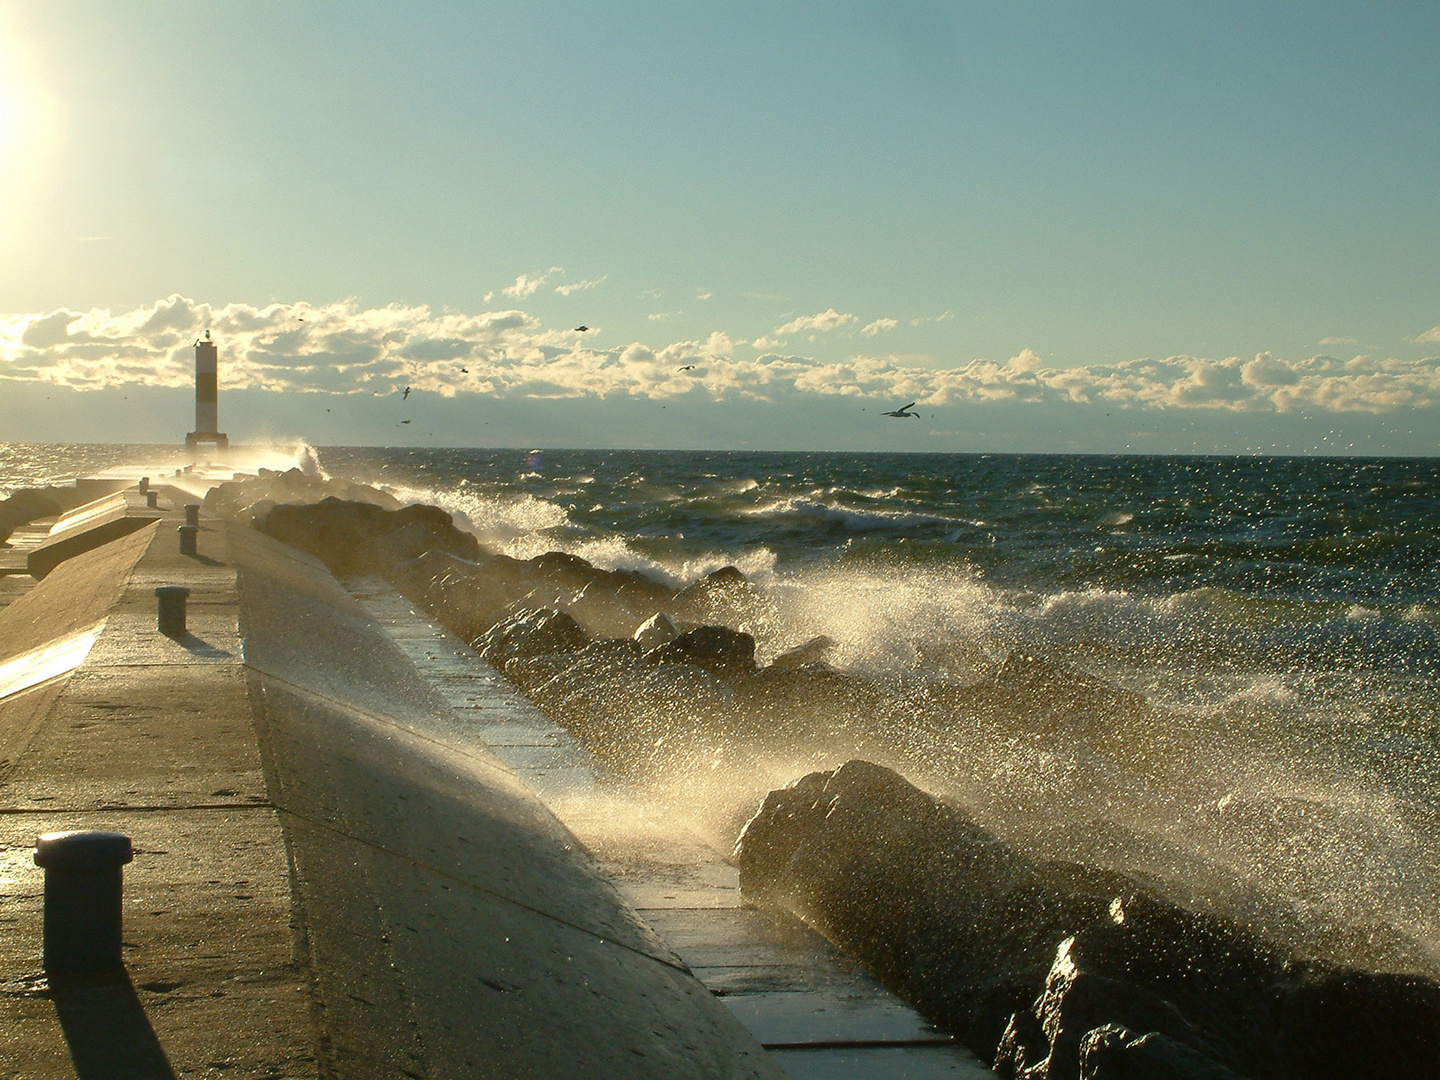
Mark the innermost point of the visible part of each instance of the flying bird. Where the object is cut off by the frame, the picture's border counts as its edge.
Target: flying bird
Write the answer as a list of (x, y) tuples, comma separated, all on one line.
[(407, 394), (402, 422), (903, 411), (581, 329), (465, 369), (686, 367)]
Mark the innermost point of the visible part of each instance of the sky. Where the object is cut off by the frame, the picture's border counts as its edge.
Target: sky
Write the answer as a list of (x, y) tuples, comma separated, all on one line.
[(1153, 227)]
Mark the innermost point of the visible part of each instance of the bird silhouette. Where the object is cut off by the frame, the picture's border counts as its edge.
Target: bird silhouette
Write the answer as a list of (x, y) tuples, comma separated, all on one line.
[(402, 422), (465, 369), (407, 394), (903, 411), (581, 329), (686, 367)]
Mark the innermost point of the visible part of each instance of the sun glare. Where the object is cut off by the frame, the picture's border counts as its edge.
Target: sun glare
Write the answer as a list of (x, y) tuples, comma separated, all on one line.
[(30, 130)]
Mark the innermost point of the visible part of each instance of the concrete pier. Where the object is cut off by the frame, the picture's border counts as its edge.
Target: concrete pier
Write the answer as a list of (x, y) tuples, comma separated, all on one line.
[(332, 875)]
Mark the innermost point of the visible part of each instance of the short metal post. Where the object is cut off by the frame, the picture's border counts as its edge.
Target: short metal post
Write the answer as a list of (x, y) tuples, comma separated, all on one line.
[(144, 484), (187, 538), (171, 614), (82, 898), (152, 498), (192, 514)]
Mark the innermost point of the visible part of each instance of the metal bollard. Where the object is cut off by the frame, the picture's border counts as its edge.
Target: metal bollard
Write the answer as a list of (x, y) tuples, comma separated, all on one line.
[(144, 484), (187, 538), (152, 498), (171, 614), (192, 514), (82, 898)]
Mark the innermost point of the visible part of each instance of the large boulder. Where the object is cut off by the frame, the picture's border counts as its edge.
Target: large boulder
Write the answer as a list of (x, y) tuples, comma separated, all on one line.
[(1026, 961), (362, 538), (717, 649)]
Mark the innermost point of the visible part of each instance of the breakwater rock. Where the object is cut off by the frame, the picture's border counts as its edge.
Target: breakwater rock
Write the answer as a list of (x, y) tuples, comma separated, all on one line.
[(1056, 971)]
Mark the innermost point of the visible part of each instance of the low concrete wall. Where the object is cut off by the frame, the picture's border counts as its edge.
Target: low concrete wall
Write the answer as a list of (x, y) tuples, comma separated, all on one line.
[(453, 925)]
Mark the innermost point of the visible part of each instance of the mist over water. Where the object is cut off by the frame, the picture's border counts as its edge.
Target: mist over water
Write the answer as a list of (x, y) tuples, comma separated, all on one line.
[(1220, 675)]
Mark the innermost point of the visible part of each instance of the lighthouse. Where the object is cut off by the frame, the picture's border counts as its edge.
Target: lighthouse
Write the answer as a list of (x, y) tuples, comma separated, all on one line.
[(206, 386)]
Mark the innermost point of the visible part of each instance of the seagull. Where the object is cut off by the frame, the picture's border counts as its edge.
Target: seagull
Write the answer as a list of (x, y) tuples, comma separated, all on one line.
[(902, 411), (407, 394), (581, 329), (402, 422), (686, 367), (465, 369)]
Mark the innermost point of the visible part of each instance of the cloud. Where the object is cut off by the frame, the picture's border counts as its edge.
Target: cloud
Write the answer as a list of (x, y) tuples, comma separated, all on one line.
[(525, 285), (944, 316), (662, 316), (1344, 340), (703, 295), (879, 324), (343, 348), (825, 320), (576, 286), (1429, 337)]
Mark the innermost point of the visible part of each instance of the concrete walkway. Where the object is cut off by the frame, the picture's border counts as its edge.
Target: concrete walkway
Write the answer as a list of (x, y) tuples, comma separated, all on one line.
[(817, 1014)]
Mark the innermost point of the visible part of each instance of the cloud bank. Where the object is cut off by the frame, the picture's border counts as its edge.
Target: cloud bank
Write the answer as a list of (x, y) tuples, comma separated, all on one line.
[(342, 348)]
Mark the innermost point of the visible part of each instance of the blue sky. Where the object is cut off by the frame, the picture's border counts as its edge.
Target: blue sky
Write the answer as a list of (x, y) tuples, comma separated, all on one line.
[(1062, 226)]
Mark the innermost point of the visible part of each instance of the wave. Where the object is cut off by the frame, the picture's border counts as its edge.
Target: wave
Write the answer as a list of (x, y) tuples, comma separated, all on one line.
[(804, 508)]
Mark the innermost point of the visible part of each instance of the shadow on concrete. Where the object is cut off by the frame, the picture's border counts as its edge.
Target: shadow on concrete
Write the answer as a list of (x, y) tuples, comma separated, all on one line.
[(106, 1028), (205, 560), (198, 646)]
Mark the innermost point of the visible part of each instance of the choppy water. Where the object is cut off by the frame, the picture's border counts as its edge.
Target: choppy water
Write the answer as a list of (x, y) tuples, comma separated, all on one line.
[(1238, 696)]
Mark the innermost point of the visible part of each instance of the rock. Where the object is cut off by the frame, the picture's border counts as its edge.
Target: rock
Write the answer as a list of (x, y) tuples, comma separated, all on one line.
[(724, 596), (362, 538), (714, 648), (603, 611), (1024, 960), (808, 653), (528, 634), (656, 631), (248, 501), (1343, 1022), (1114, 1052), (467, 598)]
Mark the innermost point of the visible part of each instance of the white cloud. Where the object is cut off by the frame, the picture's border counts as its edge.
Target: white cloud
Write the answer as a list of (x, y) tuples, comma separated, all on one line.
[(343, 348), (525, 285), (661, 316), (1344, 340), (1429, 337), (575, 286), (825, 320), (875, 327), (703, 295)]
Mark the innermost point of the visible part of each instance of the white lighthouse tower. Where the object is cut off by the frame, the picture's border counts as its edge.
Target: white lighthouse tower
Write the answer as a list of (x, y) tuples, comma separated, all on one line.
[(206, 395)]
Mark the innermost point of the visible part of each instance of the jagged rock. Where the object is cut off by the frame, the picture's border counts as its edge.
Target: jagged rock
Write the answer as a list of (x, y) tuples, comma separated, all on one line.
[(362, 538), (714, 648), (1114, 1052), (656, 631), (1023, 960), (528, 634)]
